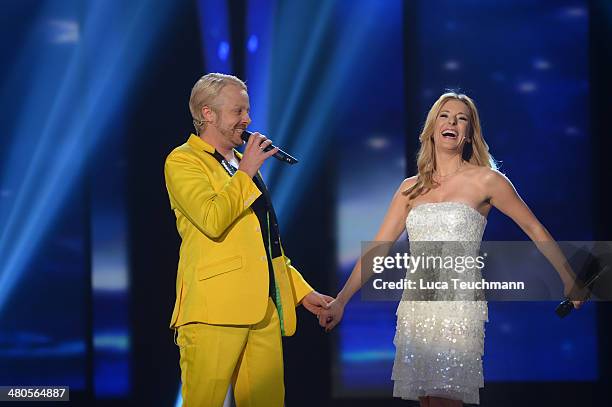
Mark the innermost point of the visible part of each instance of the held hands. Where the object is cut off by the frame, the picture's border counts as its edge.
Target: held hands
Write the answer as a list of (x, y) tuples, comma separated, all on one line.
[(331, 317), (254, 156), (316, 302)]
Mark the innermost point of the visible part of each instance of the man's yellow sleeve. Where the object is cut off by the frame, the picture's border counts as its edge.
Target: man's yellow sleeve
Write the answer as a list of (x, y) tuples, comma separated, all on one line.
[(192, 193), (300, 287)]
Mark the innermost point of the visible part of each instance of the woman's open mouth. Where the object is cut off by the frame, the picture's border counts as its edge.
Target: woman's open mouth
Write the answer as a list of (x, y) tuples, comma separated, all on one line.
[(449, 133)]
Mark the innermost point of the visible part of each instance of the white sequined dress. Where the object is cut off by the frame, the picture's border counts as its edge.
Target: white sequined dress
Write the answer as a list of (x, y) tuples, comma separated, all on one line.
[(439, 343)]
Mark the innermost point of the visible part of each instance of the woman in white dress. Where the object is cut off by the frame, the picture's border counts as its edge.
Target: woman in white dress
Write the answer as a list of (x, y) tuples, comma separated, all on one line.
[(439, 344)]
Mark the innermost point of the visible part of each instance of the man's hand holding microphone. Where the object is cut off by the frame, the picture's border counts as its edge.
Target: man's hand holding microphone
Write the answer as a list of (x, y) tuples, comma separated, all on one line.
[(254, 154)]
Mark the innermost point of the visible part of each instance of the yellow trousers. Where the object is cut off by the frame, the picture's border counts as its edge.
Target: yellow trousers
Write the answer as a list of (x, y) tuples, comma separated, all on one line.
[(250, 357)]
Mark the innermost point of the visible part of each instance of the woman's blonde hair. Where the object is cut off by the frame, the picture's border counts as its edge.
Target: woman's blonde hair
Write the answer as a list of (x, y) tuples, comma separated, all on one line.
[(476, 151)]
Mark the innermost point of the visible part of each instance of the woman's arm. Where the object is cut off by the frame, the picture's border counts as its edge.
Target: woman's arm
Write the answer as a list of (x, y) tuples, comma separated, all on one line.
[(391, 228), (503, 196)]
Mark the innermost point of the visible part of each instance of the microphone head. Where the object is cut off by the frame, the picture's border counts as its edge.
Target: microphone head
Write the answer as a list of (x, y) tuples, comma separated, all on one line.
[(245, 135), (564, 309)]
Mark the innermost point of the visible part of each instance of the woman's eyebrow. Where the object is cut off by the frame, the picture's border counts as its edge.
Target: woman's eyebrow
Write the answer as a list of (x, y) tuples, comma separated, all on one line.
[(446, 111)]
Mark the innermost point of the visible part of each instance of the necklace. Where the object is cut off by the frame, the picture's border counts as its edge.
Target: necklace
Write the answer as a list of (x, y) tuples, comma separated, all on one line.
[(451, 174)]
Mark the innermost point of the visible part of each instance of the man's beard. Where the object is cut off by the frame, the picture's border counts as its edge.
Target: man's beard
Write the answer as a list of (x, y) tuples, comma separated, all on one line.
[(232, 134)]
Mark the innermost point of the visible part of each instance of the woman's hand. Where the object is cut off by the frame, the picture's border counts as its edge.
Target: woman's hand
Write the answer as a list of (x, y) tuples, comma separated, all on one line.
[(331, 317), (577, 295)]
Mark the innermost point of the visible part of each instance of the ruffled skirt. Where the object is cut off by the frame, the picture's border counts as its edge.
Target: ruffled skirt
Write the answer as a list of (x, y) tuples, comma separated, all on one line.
[(439, 347)]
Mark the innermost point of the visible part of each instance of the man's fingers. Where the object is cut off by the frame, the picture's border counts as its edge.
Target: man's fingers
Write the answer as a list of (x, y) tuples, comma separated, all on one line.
[(252, 139), (257, 139), (323, 302), (271, 152), (311, 308), (265, 144), (314, 308)]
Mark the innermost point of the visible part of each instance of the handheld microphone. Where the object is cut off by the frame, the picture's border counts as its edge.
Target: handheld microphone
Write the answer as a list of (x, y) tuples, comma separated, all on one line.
[(566, 306), (280, 154)]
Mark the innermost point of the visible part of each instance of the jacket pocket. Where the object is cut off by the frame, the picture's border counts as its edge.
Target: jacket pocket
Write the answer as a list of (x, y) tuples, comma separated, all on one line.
[(219, 267)]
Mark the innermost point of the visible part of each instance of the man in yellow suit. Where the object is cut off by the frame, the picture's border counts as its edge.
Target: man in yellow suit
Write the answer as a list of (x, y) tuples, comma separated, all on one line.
[(236, 291)]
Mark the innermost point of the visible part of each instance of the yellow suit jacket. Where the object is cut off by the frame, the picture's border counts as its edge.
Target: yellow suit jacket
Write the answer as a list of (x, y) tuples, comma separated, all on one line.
[(222, 275)]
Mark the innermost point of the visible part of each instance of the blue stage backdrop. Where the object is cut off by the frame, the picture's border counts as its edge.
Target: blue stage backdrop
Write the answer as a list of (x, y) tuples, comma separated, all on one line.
[(64, 280)]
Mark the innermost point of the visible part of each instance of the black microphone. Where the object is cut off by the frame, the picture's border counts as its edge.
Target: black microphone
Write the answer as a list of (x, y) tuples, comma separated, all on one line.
[(567, 306), (280, 154)]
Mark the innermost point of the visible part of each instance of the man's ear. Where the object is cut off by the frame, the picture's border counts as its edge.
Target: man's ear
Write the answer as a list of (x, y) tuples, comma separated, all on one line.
[(208, 114)]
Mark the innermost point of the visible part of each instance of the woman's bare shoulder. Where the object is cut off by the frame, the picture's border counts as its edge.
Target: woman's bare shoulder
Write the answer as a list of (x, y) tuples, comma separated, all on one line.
[(491, 179), (408, 182), (492, 175), (485, 173)]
